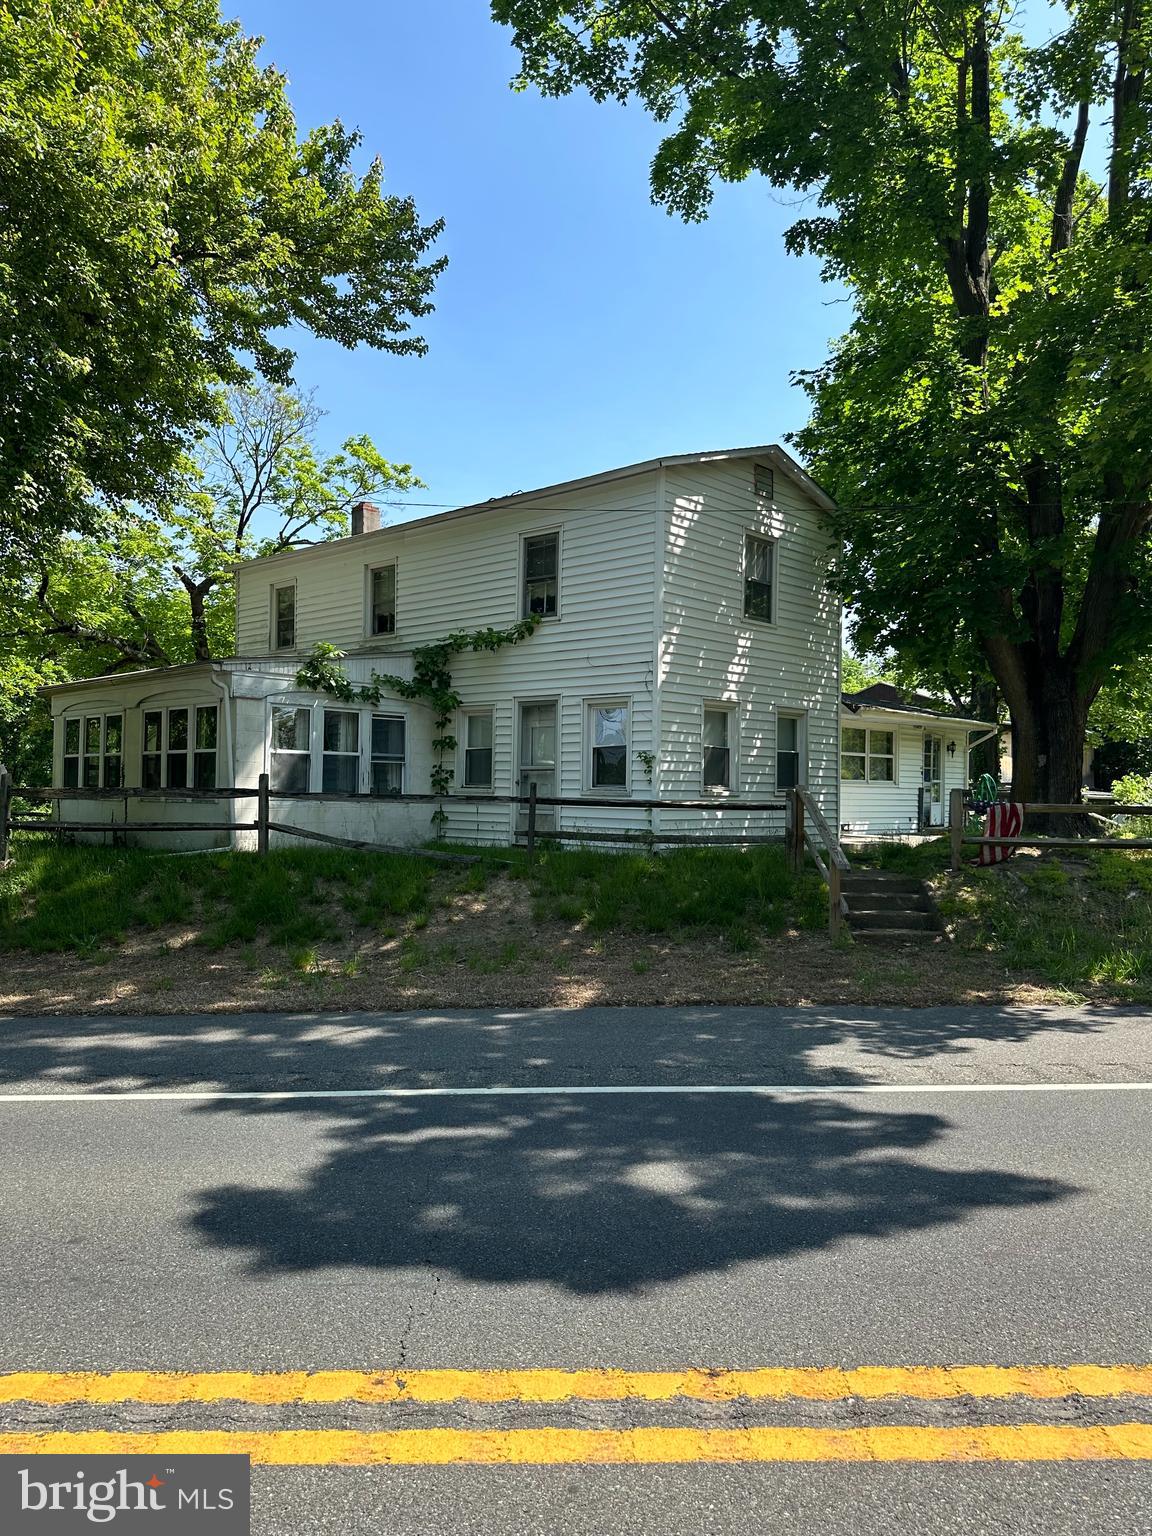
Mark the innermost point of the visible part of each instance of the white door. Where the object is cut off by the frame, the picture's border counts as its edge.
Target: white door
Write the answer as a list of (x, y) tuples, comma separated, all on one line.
[(538, 760), (934, 779)]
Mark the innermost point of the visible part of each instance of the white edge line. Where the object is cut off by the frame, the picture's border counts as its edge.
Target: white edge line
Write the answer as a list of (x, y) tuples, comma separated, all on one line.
[(788, 1090)]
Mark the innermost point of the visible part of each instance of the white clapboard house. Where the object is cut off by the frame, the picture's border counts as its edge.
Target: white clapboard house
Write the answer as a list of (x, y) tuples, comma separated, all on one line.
[(688, 648)]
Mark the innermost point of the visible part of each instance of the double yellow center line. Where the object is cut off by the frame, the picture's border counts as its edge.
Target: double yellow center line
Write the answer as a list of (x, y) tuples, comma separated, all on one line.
[(552, 1445)]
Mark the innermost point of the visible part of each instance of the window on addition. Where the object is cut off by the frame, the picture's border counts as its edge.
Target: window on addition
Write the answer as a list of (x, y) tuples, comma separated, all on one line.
[(341, 758), (388, 741), (94, 752), (291, 749)]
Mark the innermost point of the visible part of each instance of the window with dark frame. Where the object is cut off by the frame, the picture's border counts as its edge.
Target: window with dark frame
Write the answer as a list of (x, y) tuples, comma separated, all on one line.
[(764, 482), (759, 562), (788, 751), (609, 745), (205, 743), (94, 752), (151, 759), (113, 751), (176, 753), (340, 756), (541, 574), (389, 737), (92, 742), (72, 754), (717, 765), (284, 616), (290, 755), (478, 734), (383, 600)]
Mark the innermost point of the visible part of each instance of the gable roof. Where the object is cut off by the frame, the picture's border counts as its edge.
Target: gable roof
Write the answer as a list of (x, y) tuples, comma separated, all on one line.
[(887, 698), (768, 453)]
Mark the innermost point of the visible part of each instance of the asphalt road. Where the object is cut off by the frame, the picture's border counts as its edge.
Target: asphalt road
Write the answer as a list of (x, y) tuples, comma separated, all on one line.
[(920, 1222)]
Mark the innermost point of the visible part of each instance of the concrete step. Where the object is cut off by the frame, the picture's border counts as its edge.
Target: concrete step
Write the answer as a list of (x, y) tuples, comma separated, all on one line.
[(888, 901), (870, 880), (891, 936), (902, 921)]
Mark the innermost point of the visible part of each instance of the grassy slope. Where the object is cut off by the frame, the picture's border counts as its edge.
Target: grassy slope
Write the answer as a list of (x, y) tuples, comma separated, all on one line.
[(81, 899)]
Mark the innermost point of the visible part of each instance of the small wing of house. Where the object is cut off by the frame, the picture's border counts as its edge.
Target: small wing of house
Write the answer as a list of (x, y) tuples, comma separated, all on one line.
[(900, 755)]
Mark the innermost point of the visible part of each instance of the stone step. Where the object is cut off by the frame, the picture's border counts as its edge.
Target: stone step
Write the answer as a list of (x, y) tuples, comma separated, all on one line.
[(901, 921)]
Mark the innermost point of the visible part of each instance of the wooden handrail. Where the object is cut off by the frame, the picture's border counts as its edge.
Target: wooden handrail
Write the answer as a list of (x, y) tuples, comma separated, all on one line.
[(831, 842)]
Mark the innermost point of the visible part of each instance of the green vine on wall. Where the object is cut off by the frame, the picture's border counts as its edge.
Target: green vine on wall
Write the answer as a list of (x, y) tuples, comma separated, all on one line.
[(430, 684)]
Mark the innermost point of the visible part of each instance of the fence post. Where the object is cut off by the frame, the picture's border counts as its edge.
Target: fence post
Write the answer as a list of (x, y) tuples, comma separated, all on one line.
[(5, 811), (796, 830), (956, 825), (835, 916), (530, 840), (262, 811)]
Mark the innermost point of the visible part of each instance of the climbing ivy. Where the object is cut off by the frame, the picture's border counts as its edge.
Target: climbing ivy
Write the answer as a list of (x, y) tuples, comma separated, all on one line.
[(430, 683)]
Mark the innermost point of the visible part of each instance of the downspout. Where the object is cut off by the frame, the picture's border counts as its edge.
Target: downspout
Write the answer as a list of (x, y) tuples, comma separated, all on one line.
[(216, 678)]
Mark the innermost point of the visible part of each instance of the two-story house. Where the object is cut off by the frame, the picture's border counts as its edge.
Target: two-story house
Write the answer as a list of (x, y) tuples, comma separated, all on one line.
[(688, 648)]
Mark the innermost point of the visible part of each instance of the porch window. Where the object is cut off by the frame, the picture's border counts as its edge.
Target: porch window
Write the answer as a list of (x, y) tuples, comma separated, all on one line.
[(113, 751), (291, 749), (284, 617), (389, 738), (340, 769), (478, 749), (204, 747), (151, 761), (541, 575), (177, 754), (92, 733), (71, 754), (717, 748), (759, 566), (867, 755), (382, 619), (608, 738), (789, 750)]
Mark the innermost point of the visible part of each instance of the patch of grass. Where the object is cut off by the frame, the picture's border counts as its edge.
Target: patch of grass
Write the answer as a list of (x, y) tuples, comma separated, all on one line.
[(1069, 921), (729, 891), (81, 899), (919, 859)]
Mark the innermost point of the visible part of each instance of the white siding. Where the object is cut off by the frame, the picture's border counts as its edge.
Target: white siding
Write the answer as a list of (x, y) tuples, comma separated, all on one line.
[(465, 574), (710, 651)]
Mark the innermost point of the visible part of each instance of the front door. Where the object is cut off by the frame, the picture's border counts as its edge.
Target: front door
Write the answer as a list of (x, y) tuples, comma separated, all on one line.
[(933, 780), (538, 760)]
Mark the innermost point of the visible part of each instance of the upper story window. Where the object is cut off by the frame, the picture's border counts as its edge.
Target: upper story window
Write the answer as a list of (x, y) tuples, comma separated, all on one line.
[(867, 755), (541, 575), (382, 600), (759, 577), (763, 482), (608, 743), (717, 766), (478, 749), (284, 616), (94, 752), (178, 750)]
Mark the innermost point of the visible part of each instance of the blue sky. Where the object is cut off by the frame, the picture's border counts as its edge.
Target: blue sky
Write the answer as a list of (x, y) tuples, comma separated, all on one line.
[(577, 327)]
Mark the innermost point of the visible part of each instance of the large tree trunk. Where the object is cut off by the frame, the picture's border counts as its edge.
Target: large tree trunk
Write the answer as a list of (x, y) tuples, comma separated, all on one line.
[(1049, 711)]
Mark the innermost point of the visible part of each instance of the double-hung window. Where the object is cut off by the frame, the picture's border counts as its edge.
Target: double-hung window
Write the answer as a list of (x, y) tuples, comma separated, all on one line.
[(478, 749), (717, 763), (608, 746), (94, 752), (178, 750), (388, 744), (867, 755), (789, 751), (541, 575), (284, 616), (759, 577), (340, 771), (763, 482), (291, 749), (382, 600)]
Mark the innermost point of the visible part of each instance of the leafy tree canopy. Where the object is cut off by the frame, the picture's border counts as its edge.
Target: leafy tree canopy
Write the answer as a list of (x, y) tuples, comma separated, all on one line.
[(984, 423), (165, 226)]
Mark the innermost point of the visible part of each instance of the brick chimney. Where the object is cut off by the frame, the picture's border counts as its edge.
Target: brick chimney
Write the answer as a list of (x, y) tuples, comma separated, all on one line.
[(365, 517)]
